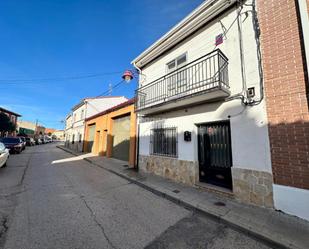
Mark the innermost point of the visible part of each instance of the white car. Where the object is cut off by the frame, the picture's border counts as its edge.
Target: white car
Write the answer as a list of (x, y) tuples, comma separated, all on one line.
[(4, 155)]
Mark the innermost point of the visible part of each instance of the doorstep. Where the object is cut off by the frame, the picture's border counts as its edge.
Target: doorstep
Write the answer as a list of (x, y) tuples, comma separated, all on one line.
[(215, 189), (277, 229)]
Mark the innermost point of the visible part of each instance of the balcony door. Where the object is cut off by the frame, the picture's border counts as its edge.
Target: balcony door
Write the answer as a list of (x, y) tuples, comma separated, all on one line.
[(177, 79)]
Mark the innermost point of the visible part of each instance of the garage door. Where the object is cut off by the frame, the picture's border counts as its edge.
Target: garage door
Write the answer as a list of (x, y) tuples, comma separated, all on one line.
[(121, 138), (90, 139)]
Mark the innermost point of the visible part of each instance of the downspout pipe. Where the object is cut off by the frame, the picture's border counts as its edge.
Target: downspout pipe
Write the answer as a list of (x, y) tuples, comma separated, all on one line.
[(241, 51), (304, 19), (137, 124), (241, 95)]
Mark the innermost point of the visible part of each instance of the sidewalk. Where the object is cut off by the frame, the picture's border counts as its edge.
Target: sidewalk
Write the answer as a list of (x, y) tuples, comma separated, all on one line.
[(278, 229)]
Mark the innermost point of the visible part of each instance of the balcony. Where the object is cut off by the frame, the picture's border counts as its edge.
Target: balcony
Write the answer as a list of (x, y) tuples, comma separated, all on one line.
[(202, 80)]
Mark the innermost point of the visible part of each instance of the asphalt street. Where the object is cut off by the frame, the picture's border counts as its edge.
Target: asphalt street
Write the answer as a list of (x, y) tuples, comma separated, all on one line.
[(49, 199)]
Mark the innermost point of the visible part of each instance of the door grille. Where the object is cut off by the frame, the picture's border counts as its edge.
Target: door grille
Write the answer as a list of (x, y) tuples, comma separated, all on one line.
[(218, 138)]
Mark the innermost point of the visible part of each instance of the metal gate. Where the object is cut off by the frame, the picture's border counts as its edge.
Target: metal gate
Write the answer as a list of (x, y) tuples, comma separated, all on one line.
[(214, 151)]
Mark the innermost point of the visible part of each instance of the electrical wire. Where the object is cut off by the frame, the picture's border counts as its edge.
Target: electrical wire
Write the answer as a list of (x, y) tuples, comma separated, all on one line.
[(47, 80), (257, 34), (110, 89)]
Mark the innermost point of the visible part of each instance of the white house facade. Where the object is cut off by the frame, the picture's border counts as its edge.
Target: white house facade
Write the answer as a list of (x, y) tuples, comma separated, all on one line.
[(68, 130), (87, 108), (201, 114)]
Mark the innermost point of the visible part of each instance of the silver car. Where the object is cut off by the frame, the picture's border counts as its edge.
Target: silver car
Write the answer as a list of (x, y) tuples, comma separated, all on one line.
[(4, 155)]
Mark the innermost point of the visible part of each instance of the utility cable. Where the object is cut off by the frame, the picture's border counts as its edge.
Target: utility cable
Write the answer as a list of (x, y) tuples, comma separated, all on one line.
[(58, 78)]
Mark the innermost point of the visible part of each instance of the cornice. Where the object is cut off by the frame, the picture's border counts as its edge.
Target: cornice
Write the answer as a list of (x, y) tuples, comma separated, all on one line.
[(203, 14)]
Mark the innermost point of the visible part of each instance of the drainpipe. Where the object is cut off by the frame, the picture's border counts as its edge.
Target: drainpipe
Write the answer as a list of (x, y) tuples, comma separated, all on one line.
[(304, 19), (137, 123), (242, 94)]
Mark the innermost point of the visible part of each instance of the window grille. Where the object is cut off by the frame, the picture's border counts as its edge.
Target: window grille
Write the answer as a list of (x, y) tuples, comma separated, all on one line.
[(163, 142)]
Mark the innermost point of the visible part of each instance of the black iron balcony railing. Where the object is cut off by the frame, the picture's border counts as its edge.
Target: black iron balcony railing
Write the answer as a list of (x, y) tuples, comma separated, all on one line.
[(201, 75)]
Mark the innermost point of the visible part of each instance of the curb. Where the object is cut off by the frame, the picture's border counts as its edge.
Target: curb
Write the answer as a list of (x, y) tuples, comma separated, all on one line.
[(251, 232)]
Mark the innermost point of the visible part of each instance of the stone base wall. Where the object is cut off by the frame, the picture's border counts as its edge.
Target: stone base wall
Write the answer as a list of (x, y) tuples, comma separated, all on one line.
[(253, 187), (77, 146), (171, 168), (249, 186)]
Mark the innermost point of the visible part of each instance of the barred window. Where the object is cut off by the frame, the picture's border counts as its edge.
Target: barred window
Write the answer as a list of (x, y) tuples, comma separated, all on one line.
[(163, 142)]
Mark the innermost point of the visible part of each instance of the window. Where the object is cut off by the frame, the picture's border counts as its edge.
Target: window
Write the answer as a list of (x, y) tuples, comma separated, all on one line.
[(177, 82), (177, 63), (181, 60), (74, 117), (80, 138), (164, 142), (82, 114), (73, 138), (171, 66)]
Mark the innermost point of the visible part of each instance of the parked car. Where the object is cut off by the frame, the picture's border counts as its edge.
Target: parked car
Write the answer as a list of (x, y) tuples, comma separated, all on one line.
[(48, 139), (4, 155), (30, 141), (38, 141), (24, 142), (14, 144)]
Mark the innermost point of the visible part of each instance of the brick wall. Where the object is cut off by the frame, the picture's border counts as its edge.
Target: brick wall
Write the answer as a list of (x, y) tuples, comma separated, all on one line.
[(285, 89)]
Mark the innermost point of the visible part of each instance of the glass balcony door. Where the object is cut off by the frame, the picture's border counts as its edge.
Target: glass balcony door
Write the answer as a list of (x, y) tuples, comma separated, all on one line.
[(177, 82)]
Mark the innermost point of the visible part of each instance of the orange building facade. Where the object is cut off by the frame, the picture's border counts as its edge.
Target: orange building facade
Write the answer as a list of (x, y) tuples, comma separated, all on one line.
[(112, 133)]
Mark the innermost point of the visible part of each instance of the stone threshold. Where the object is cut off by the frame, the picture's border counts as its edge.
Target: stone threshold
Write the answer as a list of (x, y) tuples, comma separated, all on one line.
[(276, 229), (215, 189)]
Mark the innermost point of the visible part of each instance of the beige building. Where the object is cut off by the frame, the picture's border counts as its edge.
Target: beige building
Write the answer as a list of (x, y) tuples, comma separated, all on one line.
[(58, 135), (39, 130), (30, 129), (26, 127)]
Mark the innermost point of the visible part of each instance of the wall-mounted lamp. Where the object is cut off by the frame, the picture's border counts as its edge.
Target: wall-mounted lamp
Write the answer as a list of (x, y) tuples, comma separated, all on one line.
[(128, 76)]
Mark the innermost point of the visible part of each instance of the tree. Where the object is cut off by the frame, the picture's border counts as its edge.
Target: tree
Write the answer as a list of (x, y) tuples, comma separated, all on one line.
[(5, 124)]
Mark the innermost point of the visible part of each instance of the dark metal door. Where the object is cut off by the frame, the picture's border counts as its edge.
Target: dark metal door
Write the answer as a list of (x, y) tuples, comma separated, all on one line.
[(214, 151)]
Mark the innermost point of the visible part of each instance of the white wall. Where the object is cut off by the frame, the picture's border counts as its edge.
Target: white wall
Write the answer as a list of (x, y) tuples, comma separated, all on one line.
[(292, 200), (203, 42), (101, 104), (249, 132), (90, 108)]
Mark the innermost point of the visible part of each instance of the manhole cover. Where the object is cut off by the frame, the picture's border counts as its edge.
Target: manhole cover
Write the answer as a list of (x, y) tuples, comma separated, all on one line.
[(176, 191), (125, 165), (219, 203)]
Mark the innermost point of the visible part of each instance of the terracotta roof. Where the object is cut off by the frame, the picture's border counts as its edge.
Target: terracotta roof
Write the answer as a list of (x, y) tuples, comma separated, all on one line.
[(10, 112), (114, 108), (51, 130)]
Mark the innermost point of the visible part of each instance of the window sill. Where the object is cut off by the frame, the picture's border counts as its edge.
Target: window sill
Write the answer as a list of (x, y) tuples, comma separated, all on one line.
[(166, 156)]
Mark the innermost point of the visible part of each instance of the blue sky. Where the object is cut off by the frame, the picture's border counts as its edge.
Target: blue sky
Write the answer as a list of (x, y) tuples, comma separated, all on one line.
[(44, 39)]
